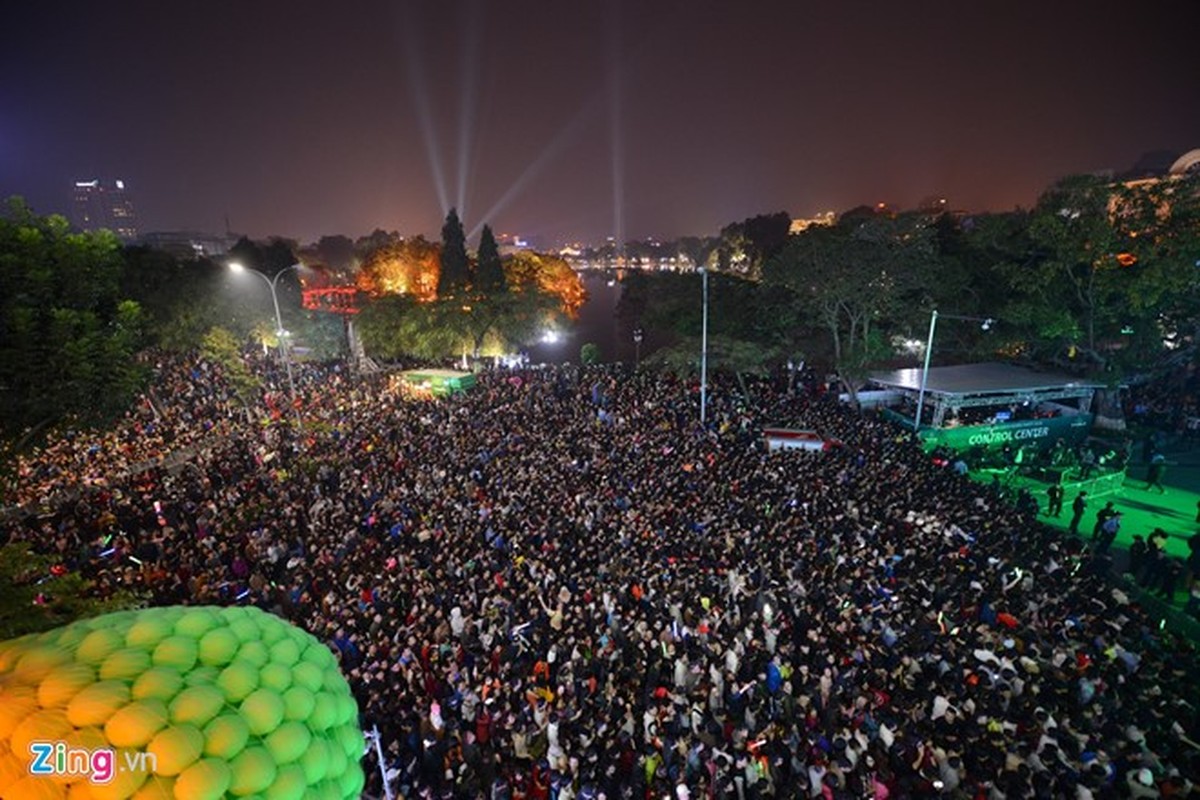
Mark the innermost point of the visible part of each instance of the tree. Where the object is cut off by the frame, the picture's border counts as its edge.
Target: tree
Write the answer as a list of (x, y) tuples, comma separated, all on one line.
[(1106, 273), (455, 274), (699, 250), (221, 347), (410, 267), (37, 594), (489, 275), (67, 336), (852, 277), (589, 354), (337, 254), (546, 274), (747, 245)]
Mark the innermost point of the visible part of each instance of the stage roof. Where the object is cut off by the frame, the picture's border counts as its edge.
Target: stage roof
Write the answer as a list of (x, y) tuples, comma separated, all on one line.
[(975, 379)]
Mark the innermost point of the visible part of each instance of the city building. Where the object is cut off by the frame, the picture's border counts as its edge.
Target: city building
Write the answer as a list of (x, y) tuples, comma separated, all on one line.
[(189, 244), (801, 225), (104, 205)]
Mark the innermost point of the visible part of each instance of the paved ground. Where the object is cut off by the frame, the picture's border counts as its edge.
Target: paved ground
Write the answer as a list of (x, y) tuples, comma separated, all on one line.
[(1174, 510)]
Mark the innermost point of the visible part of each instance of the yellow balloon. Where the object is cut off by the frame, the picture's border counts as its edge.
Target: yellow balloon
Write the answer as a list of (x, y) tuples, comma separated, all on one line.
[(135, 724), (177, 652), (175, 749), (225, 736), (99, 645), (207, 779), (159, 682), (37, 662), (125, 664), (96, 703), (46, 725)]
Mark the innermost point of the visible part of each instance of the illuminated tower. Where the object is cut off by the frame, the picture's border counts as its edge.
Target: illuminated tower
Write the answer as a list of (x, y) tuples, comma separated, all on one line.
[(99, 204)]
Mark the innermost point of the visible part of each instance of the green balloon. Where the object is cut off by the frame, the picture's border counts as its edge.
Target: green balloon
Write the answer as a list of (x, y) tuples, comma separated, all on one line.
[(288, 784), (226, 736), (298, 703), (253, 770), (178, 652), (276, 677), (227, 701), (195, 622), (308, 675), (160, 682), (201, 676), (255, 653), (125, 664), (320, 655), (315, 761), (288, 742), (197, 705), (324, 713), (285, 652), (263, 711), (218, 647), (272, 631), (338, 763), (351, 783), (237, 681), (148, 632), (246, 630)]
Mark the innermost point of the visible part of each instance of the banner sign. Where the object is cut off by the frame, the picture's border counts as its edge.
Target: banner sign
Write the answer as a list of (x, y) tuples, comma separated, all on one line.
[(1037, 432), (792, 439)]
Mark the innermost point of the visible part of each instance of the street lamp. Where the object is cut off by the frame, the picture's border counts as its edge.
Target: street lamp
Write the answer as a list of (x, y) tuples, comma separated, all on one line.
[(637, 348), (704, 348), (272, 284), (985, 323), (375, 739)]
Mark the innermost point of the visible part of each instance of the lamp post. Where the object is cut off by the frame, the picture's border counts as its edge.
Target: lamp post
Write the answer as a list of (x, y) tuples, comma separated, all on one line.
[(375, 739), (704, 349), (637, 348), (925, 371), (986, 324), (284, 349)]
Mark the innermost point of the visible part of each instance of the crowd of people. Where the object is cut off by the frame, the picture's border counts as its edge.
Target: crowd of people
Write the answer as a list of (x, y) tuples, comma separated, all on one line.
[(559, 585)]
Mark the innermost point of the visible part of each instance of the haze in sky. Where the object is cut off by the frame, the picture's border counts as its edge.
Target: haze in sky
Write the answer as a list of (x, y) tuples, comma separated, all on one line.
[(567, 120)]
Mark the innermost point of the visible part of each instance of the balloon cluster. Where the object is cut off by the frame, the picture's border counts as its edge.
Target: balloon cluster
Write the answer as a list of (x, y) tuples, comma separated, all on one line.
[(191, 703)]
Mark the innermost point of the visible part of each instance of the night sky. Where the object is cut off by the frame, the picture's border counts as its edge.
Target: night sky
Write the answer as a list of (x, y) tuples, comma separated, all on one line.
[(580, 119)]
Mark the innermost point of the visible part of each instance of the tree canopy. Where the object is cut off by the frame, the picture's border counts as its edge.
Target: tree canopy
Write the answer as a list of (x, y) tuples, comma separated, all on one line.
[(68, 337), (455, 274)]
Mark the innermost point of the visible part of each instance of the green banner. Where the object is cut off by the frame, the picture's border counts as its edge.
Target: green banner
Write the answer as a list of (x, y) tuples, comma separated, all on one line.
[(1024, 432)]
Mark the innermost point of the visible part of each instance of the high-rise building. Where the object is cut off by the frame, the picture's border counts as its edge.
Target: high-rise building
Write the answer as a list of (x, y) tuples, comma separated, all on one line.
[(104, 204)]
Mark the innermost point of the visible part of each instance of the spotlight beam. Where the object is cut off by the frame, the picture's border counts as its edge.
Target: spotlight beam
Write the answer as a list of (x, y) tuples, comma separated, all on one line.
[(417, 88), (546, 156), (467, 99), (615, 133)]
